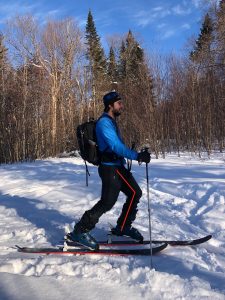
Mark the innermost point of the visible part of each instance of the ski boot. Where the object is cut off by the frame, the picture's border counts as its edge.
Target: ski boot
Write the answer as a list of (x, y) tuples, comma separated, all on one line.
[(129, 232), (83, 239)]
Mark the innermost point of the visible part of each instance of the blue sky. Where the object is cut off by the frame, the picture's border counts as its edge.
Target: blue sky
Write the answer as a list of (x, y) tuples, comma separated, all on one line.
[(162, 25)]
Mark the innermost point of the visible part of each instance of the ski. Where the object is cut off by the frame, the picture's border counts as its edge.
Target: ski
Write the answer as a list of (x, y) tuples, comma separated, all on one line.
[(84, 251), (188, 242)]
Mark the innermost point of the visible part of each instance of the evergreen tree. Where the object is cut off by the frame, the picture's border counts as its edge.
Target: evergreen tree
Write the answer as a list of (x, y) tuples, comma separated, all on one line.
[(220, 34), (3, 52), (131, 58), (122, 61), (135, 54), (4, 111), (112, 66), (95, 53), (136, 84), (203, 43), (97, 65), (221, 10)]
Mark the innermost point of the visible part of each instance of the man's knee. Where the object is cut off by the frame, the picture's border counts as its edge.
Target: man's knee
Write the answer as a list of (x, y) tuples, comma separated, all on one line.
[(108, 206), (138, 193)]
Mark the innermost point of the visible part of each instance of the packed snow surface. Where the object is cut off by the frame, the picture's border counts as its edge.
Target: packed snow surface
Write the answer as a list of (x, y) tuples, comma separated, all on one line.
[(39, 201)]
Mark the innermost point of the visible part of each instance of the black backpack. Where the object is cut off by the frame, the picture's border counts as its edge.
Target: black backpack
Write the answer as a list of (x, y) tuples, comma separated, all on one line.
[(87, 142)]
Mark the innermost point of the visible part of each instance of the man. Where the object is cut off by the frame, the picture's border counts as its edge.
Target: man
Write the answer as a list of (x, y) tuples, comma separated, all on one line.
[(115, 178)]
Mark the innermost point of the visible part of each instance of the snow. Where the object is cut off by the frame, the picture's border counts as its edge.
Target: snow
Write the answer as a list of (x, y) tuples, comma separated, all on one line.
[(39, 201)]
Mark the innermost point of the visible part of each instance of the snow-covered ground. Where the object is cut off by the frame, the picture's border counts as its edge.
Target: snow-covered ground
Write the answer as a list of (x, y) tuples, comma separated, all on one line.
[(39, 200)]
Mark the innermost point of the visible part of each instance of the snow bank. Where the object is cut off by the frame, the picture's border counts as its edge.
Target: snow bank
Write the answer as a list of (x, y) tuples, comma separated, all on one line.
[(39, 200)]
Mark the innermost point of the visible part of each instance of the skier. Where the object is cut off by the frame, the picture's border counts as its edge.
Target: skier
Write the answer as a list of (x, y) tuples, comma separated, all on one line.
[(115, 178)]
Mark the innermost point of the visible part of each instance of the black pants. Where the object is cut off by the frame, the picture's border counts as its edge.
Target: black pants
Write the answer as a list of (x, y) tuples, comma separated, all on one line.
[(114, 179)]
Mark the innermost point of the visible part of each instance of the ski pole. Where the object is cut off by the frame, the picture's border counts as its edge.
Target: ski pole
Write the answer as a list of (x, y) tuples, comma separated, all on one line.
[(149, 215)]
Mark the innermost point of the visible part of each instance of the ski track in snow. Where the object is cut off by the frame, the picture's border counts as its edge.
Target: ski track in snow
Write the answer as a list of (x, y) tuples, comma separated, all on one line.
[(39, 200)]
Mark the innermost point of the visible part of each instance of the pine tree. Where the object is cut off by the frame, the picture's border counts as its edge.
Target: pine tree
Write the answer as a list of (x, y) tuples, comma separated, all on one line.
[(219, 117), (112, 66), (95, 53), (220, 34), (131, 58), (3, 52), (203, 43), (136, 84), (4, 112), (221, 10), (97, 66), (122, 61), (135, 54)]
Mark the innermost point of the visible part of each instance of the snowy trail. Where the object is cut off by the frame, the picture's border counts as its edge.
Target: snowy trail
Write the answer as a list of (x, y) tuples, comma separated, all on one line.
[(39, 200)]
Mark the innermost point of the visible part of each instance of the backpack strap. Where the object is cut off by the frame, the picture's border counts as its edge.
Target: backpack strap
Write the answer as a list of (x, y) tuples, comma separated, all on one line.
[(105, 156), (109, 156)]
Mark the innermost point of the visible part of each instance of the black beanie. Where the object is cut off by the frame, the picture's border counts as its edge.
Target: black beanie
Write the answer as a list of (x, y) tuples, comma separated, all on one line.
[(110, 98)]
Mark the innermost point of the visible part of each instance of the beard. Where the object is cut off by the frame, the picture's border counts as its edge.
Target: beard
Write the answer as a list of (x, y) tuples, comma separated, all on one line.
[(117, 112)]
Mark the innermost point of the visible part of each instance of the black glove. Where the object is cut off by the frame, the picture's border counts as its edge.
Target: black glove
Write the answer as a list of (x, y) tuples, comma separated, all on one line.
[(144, 156)]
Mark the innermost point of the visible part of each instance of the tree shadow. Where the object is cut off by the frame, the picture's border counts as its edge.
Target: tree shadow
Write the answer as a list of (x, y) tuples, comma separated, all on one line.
[(51, 220), (44, 170), (34, 210)]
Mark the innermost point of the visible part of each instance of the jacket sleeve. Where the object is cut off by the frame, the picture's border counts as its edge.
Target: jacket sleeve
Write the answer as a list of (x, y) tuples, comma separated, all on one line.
[(107, 131)]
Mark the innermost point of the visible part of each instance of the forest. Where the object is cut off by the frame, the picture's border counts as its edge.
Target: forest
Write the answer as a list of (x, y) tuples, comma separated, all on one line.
[(53, 77)]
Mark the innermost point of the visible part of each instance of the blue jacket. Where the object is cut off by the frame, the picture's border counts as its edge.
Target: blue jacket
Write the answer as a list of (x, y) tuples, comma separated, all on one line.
[(109, 140)]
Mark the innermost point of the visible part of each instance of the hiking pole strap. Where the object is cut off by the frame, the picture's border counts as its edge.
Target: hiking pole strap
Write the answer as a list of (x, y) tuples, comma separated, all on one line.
[(129, 162), (87, 172)]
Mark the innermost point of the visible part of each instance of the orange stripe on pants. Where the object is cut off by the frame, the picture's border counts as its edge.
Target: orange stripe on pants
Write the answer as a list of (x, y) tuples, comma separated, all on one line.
[(132, 199)]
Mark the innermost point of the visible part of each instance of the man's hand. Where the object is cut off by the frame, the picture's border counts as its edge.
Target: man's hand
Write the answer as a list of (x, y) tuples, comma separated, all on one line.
[(144, 156)]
